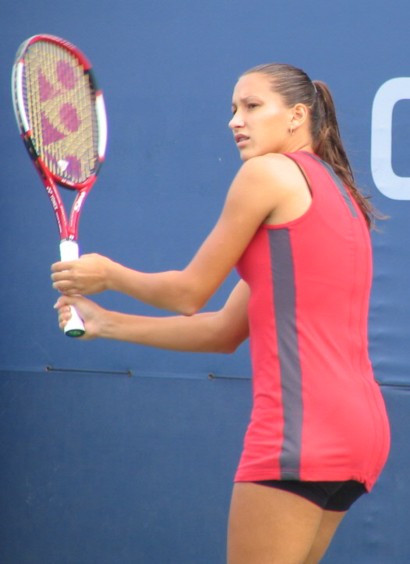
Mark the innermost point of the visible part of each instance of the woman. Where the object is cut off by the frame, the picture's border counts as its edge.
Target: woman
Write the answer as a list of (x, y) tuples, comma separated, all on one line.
[(297, 229)]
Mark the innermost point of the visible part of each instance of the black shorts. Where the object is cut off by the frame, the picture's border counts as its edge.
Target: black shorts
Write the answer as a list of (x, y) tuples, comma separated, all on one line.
[(331, 496)]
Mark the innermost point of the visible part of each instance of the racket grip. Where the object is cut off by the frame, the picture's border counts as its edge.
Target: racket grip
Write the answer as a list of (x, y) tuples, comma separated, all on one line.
[(75, 326)]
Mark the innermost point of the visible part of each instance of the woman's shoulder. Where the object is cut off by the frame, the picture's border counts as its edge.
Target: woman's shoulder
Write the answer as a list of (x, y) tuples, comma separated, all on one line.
[(269, 160), (276, 168)]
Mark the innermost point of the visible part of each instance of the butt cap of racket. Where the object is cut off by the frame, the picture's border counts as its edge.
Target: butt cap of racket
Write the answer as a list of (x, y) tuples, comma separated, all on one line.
[(75, 325)]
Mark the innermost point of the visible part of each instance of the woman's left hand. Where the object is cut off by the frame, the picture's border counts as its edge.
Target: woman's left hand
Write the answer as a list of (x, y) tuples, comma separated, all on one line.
[(88, 275)]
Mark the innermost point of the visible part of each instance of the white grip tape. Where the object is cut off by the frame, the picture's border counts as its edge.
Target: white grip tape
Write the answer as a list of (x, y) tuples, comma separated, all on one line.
[(74, 326), (68, 250)]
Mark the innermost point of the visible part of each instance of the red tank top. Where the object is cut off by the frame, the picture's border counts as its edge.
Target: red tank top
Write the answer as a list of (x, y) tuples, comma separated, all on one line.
[(318, 413)]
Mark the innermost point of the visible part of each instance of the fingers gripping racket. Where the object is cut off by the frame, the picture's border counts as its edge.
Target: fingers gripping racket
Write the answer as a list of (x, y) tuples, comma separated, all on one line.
[(61, 116)]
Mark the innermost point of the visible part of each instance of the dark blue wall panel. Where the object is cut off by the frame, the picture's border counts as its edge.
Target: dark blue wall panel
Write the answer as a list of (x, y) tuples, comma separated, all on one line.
[(116, 453), (104, 468)]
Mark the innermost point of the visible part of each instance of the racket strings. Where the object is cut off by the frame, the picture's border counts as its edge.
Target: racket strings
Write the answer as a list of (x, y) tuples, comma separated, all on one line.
[(60, 105)]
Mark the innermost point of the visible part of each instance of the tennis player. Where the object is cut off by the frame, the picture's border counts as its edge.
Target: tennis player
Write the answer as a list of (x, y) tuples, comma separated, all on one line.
[(297, 229)]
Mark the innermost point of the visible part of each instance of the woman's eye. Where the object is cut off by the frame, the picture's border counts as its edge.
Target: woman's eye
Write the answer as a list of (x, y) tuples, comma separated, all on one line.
[(252, 106)]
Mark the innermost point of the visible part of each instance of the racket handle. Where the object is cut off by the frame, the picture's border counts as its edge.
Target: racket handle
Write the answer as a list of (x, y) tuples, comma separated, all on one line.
[(75, 325)]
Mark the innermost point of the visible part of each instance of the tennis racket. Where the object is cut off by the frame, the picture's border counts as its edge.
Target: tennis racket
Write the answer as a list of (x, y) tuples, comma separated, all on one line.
[(61, 115)]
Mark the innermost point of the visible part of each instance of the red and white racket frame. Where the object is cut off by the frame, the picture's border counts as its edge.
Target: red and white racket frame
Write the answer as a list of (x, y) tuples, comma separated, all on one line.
[(67, 226)]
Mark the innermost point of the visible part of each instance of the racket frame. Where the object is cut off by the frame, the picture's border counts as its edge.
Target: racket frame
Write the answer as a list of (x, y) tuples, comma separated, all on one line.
[(67, 225)]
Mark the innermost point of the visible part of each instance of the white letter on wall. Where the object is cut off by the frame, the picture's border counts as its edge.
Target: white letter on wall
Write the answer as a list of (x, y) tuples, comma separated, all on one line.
[(389, 184)]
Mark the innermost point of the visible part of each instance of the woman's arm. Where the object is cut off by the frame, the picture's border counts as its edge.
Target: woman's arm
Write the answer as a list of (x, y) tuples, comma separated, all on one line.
[(222, 331), (259, 187)]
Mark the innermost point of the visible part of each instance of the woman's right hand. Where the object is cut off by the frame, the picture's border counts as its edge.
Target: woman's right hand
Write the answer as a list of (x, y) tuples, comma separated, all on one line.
[(91, 314)]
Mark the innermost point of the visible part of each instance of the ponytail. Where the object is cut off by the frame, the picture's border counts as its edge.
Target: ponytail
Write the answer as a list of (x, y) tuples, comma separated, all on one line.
[(328, 145)]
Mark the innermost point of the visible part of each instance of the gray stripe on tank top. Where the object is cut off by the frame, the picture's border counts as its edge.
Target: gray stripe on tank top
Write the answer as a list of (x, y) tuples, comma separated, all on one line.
[(341, 187), (290, 367)]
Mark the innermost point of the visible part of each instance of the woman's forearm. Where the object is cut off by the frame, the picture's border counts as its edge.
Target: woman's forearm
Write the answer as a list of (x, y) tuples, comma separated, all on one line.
[(198, 333), (221, 331), (172, 290)]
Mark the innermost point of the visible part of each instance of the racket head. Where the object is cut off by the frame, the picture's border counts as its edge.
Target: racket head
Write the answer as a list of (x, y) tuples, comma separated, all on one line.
[(60, 110)]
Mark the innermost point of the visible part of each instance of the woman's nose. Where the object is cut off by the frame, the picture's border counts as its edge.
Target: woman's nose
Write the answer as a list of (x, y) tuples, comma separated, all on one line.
[(236, 121)]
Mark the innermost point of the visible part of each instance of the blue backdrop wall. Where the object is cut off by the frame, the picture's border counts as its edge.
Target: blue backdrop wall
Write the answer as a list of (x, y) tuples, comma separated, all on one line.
[(113, 453)]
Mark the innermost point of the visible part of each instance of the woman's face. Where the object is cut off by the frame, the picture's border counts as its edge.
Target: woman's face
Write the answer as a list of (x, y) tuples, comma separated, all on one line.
[(261, 122)]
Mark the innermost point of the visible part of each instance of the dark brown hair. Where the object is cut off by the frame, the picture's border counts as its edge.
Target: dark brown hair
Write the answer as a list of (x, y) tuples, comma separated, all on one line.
[(295, 86)]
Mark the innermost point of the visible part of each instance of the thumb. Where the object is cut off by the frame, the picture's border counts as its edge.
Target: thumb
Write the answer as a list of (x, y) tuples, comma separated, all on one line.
[(64, 301)]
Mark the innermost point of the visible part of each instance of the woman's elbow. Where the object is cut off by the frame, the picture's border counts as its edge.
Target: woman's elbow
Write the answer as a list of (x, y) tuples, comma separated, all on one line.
[(190, 304), (188, 309), (227, 348), (229, 344)]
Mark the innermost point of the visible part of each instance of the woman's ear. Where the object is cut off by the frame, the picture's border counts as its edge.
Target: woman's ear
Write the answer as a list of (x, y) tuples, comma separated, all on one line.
[(299, 115)]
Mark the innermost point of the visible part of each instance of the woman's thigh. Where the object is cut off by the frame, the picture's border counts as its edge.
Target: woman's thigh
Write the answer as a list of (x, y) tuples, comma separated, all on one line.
[(270, 526)]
